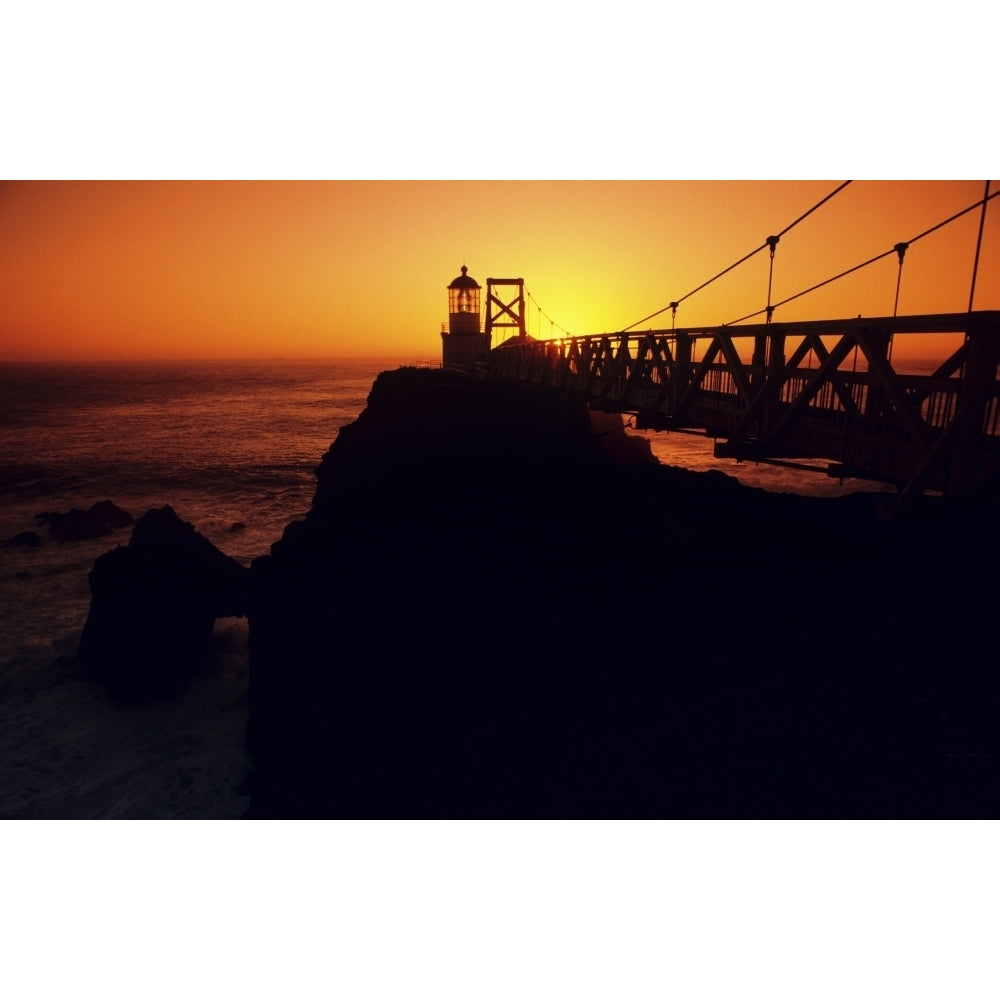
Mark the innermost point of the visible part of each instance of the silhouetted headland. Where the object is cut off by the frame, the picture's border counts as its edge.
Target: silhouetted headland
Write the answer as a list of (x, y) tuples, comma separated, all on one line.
[(485, 614)]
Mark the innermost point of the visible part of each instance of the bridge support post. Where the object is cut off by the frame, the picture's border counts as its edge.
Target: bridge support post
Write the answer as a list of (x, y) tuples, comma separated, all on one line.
[(765, 383), (775, 370), (682, 370), (982, 354), (758, 365), (776, 356), (878, 341)]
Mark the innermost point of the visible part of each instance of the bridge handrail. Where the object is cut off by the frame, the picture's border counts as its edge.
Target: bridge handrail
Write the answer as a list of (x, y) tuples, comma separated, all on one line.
[(929, 323)]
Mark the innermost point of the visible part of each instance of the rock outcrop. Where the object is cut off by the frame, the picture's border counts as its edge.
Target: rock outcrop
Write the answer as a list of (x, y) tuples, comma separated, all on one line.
[(25, 539), (75, 525), (153, 606), (111, 514)]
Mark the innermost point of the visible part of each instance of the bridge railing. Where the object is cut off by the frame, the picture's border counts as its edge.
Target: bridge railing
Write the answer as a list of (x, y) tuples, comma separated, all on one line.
[(818, 389)]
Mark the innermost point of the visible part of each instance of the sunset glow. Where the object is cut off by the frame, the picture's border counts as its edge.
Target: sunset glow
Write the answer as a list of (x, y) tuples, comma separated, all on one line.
[(136, 270)]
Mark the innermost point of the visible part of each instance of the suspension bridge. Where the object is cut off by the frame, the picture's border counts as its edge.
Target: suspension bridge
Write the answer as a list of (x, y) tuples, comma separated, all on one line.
[(787, 392)]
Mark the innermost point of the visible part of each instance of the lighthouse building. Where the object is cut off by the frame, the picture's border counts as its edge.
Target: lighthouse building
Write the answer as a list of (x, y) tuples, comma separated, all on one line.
[(463, 344)]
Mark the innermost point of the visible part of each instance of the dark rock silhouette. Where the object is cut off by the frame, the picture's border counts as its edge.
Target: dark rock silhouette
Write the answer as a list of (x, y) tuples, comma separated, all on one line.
[(74, 525), (609, 428), (28, 539), (78, 525), (111, 514), (153, 606), (484, 615)]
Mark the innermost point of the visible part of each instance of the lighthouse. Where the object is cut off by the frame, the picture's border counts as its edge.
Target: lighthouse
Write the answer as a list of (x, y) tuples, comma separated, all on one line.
[(463, 345)]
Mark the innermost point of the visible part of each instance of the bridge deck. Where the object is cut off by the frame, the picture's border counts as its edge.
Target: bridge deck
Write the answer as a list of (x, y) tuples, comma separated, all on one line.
[(823, 389)]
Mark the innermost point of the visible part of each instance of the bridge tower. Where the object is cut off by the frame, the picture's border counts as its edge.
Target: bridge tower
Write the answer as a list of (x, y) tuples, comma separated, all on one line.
[(509, 314), (462, 344)]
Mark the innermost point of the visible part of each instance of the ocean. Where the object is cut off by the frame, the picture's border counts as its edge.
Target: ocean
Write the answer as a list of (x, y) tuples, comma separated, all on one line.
[(232, 447)]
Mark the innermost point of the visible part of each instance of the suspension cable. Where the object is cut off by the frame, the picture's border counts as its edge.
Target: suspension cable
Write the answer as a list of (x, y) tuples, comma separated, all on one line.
[(957, 215), (797, 295), (542, 312), (813, 209), (673, 305), (871, 260), (767, 242)]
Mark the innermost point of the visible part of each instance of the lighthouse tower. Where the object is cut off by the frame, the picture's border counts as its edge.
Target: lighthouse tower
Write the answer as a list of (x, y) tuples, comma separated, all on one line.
[(463, 345)]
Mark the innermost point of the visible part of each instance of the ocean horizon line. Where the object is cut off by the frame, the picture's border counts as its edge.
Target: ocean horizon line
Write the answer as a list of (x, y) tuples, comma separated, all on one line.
[(261, 359)]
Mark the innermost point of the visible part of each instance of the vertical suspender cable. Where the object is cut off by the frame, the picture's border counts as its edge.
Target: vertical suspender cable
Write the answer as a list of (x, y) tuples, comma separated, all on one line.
[(772, 242), (847, 413), (901, 249), (979, 243)]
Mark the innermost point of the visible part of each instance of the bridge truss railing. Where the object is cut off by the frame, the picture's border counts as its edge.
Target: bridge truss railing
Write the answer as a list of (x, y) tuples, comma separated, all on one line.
[(821, 389)]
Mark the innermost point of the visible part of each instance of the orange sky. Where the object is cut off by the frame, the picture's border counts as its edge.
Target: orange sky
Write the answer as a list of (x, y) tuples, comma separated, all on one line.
[(181, 269)]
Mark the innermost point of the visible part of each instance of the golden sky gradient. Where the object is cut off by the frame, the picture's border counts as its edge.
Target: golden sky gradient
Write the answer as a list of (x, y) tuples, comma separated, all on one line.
[(216, 269)]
